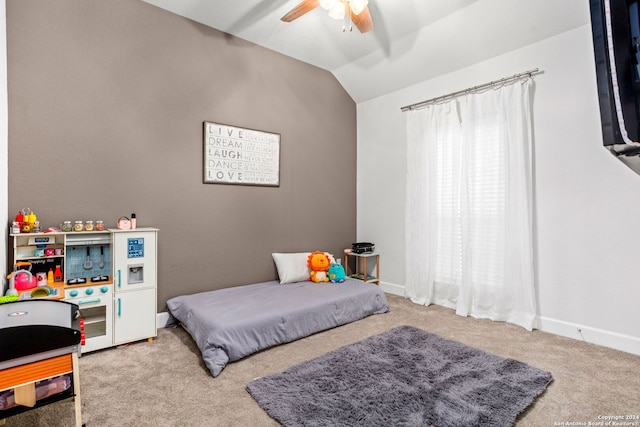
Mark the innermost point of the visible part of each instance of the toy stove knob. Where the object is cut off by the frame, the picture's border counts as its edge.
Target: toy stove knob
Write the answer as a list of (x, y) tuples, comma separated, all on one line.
[(89, 291), (73, 293), (104, 289)]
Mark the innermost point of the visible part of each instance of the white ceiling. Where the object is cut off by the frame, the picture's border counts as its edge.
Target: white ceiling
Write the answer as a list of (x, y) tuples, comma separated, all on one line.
[(412, 40)]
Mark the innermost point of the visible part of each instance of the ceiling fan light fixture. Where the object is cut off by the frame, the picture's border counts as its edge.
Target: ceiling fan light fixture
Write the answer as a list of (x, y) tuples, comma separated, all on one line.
[(328, 4), (358, 6), (351, 12), (337, 11)]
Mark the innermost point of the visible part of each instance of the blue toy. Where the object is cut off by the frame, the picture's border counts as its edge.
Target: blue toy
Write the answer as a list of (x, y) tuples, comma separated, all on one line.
[(336, 273)]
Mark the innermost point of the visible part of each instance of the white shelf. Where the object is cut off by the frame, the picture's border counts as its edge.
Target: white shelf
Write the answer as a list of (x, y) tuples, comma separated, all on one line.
[(366, 254)]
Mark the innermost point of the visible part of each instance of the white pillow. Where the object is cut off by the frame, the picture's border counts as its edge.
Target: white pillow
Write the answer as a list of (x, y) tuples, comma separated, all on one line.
[(332, 259), (292, 267)]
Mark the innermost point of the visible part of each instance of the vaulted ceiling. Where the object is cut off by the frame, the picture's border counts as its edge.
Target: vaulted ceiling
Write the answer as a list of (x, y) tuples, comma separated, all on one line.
[(412, 40)]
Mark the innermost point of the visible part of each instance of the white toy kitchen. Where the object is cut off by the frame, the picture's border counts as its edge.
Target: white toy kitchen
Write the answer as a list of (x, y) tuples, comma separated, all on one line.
[(111, 275)]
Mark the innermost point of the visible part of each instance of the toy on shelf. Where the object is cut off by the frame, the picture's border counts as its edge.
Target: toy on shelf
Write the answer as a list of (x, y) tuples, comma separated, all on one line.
[(20, 280)]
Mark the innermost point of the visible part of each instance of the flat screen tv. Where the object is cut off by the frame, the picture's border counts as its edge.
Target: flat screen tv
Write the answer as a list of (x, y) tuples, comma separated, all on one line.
[(615, 26)]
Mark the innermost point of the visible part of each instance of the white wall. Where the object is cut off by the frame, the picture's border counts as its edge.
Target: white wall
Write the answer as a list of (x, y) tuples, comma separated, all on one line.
[(4, 155), (586, 201)]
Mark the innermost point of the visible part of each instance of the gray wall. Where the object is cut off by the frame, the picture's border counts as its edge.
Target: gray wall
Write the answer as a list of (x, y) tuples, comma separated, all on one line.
[(106, 105)]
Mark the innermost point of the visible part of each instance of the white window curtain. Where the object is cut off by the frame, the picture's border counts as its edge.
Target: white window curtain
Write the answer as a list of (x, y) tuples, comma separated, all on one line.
[(469, 205)]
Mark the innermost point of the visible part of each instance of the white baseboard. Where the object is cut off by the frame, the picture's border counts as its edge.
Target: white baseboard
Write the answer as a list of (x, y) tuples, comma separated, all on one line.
[(591, 335), (392, 288), (614, 340), (162, 319)]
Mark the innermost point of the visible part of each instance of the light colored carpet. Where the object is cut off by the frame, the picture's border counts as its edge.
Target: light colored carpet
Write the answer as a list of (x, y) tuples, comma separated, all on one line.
[(165, 383)]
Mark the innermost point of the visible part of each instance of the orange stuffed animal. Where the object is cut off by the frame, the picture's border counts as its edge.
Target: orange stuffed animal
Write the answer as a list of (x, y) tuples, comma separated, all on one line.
[(319, 263)]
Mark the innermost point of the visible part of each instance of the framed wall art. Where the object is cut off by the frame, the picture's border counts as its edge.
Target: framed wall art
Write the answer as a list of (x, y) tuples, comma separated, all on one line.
[(234, 155)]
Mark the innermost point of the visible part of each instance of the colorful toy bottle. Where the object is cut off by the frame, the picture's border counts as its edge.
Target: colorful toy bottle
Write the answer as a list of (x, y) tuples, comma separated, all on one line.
[(57, 275)]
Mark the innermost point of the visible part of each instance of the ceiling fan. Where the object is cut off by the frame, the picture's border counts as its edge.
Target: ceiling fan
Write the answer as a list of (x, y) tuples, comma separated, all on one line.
[(356, 10)]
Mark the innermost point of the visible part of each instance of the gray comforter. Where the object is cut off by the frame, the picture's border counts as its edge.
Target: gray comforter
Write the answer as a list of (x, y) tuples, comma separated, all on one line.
[(229, 324)]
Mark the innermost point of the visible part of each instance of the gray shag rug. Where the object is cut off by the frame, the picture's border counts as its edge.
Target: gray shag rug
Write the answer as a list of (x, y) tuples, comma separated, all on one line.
[(402, 377)]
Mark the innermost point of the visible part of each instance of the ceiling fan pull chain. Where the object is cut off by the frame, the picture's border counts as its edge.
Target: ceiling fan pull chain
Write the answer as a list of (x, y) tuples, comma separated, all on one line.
[(346, 17)]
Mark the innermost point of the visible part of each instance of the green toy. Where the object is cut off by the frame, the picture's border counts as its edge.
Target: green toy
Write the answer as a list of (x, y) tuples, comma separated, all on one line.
[(336, 273), (8, 298)]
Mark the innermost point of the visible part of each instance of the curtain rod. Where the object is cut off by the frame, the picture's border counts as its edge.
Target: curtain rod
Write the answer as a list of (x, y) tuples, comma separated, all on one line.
[(468, 90)]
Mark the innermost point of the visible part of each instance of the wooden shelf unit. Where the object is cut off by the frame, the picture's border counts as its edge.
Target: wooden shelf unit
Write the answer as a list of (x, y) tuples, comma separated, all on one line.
[(362, 272)]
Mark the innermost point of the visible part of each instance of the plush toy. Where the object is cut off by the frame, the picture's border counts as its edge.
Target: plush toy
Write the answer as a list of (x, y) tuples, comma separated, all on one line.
[(336, 273), (318, 262)]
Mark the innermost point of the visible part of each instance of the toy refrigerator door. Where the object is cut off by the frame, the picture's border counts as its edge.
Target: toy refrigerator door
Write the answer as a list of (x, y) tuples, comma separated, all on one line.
[(134, 316), (134, 259)]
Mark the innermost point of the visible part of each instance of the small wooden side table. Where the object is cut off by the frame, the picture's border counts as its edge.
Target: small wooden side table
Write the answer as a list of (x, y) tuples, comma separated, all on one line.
[(361, 261)]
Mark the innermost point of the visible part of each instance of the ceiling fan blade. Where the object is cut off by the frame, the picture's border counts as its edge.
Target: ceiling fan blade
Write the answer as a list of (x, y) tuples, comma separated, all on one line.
[(362, 21), (303, 7)]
